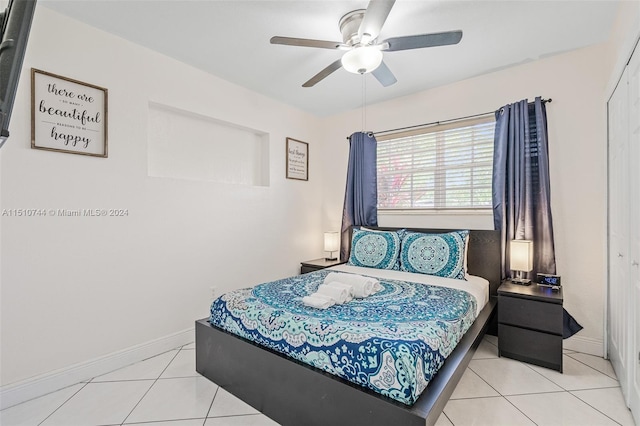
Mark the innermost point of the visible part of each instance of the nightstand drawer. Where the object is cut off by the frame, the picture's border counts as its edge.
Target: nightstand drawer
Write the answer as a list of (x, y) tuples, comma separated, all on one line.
[(530, 346), (306, 269), (530, 314)]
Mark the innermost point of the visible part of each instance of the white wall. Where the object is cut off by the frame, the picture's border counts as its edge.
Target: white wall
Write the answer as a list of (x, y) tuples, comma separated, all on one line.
[(577, 133), (77, 288), (624, 36)]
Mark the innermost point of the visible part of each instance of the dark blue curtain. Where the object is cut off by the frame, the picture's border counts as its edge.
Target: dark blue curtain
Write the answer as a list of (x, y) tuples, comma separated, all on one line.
[(521, 197), (361, 194)]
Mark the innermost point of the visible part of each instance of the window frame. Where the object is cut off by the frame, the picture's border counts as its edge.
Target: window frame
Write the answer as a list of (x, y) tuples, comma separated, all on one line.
[(439, 169)]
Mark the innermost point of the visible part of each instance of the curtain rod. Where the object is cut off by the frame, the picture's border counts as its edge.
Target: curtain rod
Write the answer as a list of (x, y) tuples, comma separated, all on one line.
[(441, 122)]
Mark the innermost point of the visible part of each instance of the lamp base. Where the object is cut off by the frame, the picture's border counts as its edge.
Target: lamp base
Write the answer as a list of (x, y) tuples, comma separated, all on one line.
[(521, 281), (330, 258)]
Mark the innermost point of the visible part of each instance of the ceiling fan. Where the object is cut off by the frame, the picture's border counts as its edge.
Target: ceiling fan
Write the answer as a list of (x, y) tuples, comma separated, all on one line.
[(360, 29)]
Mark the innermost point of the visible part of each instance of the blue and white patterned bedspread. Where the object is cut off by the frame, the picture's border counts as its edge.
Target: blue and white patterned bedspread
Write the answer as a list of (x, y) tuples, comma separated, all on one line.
[(392, 342)]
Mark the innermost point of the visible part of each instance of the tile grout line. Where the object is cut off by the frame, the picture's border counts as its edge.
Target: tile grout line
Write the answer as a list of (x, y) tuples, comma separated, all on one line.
[(538, 393), (604, 414), (489, 342), (513, 394), (577, 360), (514, 406), (593, 368), (65, 401), (482, 378), (530, 367), (505, 398), (138, 362), (206, 416), (150, 387), (46, 394), (179, 377), (228, 416), (502, 396), (447, 417), (151, 422), (567, 390), (123, 380)]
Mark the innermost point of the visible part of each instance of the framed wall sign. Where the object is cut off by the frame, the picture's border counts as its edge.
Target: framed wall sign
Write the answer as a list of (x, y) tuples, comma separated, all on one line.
[(297, 159), (68, 115)]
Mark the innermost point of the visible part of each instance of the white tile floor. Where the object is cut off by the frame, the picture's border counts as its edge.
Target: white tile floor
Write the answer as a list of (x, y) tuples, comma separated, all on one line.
[(166, 391)]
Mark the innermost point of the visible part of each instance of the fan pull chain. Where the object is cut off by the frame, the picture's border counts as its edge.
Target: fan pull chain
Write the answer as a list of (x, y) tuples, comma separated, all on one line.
[(364, 102)]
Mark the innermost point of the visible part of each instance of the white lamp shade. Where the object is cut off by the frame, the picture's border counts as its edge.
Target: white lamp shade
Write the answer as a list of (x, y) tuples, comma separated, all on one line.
[(362, 60), (521, 255), (331, 241)]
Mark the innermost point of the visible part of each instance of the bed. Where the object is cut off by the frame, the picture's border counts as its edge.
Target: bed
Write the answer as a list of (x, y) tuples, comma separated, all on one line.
[(291, 391)]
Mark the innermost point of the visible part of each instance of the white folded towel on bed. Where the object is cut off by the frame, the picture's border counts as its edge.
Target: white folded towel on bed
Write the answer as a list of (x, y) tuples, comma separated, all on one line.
[(362, 286), (337, 293), (363, 289), (318, 301), (337, 284)]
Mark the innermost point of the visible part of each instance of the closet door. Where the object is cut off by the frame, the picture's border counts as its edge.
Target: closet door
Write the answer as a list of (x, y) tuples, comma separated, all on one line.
[(618, 232), (634, 233)]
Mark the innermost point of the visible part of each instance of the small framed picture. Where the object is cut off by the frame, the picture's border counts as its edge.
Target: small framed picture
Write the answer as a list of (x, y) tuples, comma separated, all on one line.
[(297, 159), (68, 115)]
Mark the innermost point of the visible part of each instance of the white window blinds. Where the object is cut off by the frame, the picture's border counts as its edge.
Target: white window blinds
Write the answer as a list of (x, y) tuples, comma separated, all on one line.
[(445, 166)]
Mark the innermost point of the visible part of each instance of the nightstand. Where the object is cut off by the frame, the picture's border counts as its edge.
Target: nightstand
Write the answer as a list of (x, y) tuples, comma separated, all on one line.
[(530, 324), (317, 264)]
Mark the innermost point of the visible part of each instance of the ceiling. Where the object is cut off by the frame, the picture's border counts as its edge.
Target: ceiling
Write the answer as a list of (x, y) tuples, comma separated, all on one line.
[(230, 39)]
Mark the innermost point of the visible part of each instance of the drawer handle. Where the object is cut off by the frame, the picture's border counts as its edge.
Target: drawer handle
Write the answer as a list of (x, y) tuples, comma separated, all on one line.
[(620, 255), (634, 263)]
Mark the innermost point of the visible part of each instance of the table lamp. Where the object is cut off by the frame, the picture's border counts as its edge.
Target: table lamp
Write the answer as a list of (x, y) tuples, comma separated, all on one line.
[(521, 260), (331, 243)]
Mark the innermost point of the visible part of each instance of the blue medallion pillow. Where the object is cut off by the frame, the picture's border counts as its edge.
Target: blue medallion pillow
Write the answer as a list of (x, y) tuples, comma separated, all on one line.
[(374, 249), (442, 255)]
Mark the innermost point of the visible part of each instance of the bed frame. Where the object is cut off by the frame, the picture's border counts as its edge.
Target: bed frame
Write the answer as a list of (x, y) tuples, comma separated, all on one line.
[(294, 393)]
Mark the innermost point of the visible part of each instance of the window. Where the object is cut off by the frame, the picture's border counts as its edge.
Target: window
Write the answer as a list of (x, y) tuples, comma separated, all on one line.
[(446, 166)]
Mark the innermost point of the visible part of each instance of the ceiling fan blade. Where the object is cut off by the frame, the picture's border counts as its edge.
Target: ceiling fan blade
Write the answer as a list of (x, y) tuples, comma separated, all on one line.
[(305, 42), (374, 18), (323, 74), (384, 75), (422, 40)]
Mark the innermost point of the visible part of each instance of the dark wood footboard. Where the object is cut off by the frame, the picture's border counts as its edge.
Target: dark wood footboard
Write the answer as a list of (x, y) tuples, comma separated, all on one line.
[(293, 393)]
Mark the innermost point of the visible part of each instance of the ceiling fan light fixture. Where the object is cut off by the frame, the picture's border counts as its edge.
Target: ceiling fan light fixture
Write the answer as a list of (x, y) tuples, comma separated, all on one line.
[(362, 59)]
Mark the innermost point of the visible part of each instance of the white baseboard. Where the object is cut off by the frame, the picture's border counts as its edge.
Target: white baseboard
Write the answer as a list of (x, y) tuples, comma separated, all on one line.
[(34, 387), (585, 345)]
